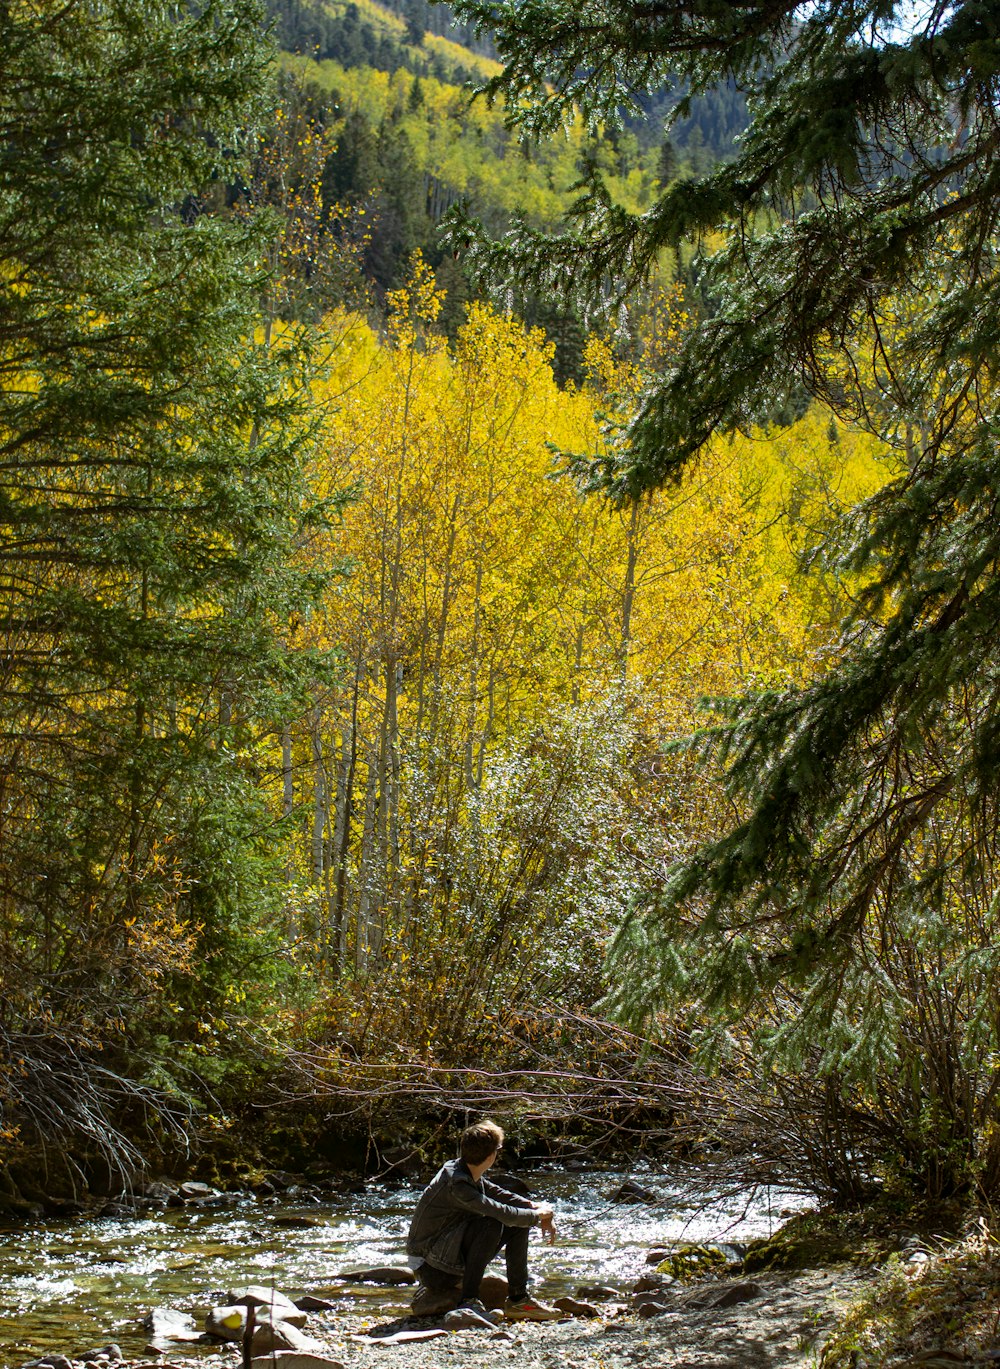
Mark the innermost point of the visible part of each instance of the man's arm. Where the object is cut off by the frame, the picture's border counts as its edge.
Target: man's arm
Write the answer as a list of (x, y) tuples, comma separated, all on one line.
[(543, 1211), (495, 1202)]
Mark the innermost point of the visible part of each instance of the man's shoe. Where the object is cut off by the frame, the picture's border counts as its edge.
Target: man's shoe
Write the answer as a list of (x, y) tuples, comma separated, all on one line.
[(529, 1309), (427, 1303)]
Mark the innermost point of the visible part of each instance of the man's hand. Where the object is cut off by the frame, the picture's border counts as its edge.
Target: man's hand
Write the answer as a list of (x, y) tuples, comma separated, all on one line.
[(546, 1222)]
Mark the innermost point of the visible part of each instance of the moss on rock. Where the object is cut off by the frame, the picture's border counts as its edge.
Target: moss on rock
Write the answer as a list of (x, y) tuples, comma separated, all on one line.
[(689, 1261)]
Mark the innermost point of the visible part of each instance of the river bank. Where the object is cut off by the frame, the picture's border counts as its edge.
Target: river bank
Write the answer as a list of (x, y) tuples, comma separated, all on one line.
[(774, 1322)]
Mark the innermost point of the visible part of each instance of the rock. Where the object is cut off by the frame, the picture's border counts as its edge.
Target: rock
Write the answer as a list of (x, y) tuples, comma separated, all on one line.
[(808, 1241), (282, 1180), (192, 1189), (281, 1306), (164, 1324), (631, 1192), (574, 1308), (112, 1353), (219, 1200), (730, 1295), (692, 1259), (402, 1337), (428, 1303), (493, 1291), (400, 1160), (22, 1208), (228, 1323), (51, 1361), (269, 1336), (157, 1190), (938, 1359), (64, 1207), (117, 1210), (597, 1292), (308, 1303), (464, 1319), (296, 1223), (650, 1283), (387, 1276), (648, 1309), (294, 1359), (658, 1254)]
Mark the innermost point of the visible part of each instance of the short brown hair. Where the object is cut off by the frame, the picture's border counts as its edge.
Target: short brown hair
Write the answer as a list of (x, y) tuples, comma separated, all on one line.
[(480, 1141)]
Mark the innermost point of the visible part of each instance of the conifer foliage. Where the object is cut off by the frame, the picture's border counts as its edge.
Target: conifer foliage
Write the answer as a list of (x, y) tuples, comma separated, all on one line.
[(860, 260), (149, 502)]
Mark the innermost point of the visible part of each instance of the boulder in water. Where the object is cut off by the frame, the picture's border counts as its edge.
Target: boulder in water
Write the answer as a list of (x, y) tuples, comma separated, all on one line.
[(117, 1210), (283, 1180), (631, 1192), (165, 1325), (597, 1292), (157, 1190), (193, 1189), (386, 1275)]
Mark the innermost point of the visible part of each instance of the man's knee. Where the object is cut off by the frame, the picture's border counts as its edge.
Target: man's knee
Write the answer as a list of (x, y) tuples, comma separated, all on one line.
[(436, 1280)]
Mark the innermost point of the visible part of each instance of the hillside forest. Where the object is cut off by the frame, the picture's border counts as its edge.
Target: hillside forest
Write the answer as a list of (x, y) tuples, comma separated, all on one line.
[(346, 720)]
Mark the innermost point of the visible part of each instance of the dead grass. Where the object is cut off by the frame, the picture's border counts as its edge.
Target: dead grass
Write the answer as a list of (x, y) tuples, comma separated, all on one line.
[(935, 1307)]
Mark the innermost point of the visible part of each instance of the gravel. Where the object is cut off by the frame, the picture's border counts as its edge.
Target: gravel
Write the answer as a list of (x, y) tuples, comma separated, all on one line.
[(778, 1321)]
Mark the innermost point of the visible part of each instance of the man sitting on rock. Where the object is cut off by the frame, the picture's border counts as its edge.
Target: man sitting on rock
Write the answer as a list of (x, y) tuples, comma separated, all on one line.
[(462, 1221)]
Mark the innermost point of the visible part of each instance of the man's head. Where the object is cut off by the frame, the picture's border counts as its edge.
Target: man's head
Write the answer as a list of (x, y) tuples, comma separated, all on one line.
[(480, 1141)]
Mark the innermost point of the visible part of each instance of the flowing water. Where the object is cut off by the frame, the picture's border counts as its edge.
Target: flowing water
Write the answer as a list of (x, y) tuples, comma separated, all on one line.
[(75, 1285)]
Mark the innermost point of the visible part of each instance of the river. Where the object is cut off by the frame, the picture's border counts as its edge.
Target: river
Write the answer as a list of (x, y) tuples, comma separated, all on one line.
[(75, 1285)]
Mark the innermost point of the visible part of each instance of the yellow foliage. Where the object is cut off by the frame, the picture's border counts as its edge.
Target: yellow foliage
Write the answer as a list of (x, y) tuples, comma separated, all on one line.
[(487, 596)]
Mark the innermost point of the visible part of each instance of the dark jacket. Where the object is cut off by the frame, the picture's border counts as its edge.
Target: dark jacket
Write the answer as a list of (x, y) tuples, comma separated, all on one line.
[(446, 1205)]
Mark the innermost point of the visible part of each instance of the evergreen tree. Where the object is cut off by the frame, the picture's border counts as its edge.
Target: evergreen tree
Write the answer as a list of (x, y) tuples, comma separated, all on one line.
[(150, 502), (666, 166), (861, 263)]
